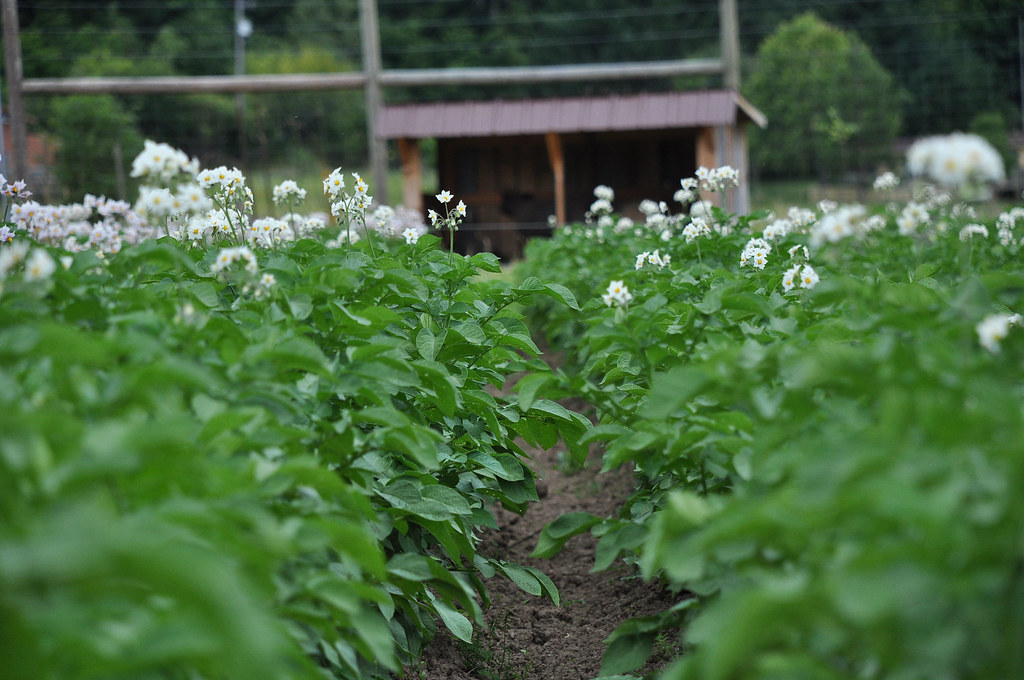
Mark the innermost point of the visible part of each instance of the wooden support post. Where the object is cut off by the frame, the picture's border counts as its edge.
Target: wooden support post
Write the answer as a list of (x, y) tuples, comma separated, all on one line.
[(557, 160), (372, 70), (412, 173), (18, 165), (730, 37)]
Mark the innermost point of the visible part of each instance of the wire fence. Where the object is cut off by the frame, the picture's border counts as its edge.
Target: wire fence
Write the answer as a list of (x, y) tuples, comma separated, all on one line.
[(286, 132)]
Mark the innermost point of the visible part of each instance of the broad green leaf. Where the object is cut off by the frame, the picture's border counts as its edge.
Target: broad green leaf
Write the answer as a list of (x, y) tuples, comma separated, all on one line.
[(555, 534)]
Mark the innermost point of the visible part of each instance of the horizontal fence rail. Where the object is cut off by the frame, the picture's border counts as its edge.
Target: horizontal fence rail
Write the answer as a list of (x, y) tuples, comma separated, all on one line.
[(356, 80)]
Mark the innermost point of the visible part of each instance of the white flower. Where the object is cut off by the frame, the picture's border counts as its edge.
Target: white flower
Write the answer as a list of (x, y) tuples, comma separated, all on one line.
[(641, 259), (461, 209), (697, 228), (39, 265), (789, 278), (971, 230), (601, 206), (411, 235), (887, 181), (808, 277), (604, 193), (701, 209), (267, 280), (287, 190), (444, 196), (11, 256), (649, 207), (992, 329), (617, 293), (778, 229), (334, 183), (956, 159)]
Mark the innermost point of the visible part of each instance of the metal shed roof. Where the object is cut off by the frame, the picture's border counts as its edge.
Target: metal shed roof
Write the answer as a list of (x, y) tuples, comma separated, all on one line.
[(570, 114)]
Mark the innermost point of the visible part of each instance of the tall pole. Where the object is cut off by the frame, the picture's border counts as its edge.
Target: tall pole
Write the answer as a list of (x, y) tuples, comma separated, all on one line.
[(15, 101), (730, 37), (243, 29), (371, 69)]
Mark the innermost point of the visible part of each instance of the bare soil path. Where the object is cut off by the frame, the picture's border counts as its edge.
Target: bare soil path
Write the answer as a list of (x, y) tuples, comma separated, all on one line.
[(527, 637)]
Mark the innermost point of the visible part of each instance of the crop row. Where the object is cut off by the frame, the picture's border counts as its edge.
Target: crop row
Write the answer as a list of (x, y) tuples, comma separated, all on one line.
[(824, 415), (251, 455)]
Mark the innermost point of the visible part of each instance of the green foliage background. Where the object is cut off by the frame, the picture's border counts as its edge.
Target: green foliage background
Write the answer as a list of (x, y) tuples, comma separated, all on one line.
[(949, 61)]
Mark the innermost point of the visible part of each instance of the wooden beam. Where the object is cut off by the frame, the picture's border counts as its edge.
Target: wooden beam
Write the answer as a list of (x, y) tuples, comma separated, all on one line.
[(548, 74), (195, 84), (557, 160), (356, 80), (412, 173)]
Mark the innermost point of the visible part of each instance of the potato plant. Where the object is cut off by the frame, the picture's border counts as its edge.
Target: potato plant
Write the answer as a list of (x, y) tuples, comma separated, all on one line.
[(827, 460), (232, 457)]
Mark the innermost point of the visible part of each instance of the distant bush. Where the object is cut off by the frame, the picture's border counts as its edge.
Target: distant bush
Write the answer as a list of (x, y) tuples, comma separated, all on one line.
[(831, 107), (90, 128)]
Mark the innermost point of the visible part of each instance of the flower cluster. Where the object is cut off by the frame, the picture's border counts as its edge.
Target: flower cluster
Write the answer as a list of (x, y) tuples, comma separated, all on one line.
[(1006, 222), (887, 181), (617, 294), (717, 179), (955, 160), (229, 256), (836, 224), (38, 264), (697, 228), (912, 216), (162, 164), (601, 208), (451, 218), (288, 191), (755, 253), (654, 259), (972, 230), (802, 273)]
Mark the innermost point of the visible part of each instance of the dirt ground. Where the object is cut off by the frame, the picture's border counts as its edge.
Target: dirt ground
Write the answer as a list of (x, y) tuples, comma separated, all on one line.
[(527, 637)]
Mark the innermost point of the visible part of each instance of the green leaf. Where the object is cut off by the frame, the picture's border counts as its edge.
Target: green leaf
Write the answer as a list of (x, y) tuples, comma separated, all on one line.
[(529, 386), (521, 577), (555, 534), (627, 653), (428, 343), (454, 621), (562, 294)]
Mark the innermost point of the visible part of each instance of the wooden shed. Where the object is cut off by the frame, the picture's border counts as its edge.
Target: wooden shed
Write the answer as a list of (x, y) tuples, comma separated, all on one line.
[(517, 162)]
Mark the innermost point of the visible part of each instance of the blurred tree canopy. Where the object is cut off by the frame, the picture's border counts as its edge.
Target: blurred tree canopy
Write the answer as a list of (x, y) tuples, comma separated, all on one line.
[(848, 124), (949, 59)]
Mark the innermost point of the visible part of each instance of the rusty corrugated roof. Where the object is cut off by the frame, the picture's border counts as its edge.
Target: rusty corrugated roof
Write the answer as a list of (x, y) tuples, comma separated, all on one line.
[(650, 111)]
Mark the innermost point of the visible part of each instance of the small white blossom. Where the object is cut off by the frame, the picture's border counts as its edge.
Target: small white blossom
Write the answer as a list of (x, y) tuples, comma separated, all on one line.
[(993, 329), (617, 293), (808, 277), (39, 265), (789, 278), (972, 230), (887, 181)]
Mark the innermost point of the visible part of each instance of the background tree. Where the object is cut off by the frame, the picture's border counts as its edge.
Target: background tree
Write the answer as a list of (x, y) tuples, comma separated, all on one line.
[(832, 108)]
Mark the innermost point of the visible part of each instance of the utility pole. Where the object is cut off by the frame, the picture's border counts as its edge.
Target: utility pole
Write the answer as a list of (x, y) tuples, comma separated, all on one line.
[(371, 70), (243, 29), (15, 101)]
